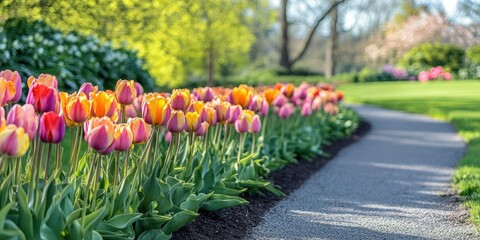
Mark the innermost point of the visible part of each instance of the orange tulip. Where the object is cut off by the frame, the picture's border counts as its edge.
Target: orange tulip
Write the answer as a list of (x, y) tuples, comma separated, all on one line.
[(270, 95), (104, 104), (75, 107), (45, 79), (17, 81), (240, 96), (7, 91), (193, 121), (154, 109)]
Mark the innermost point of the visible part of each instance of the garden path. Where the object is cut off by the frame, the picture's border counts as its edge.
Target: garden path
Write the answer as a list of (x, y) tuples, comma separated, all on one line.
[(392, 184)]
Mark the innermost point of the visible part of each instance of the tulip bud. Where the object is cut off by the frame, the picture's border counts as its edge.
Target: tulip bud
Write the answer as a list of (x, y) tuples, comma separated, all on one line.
[(256, 103), (243, 123), (180, 99), (15, 78), (75, 107), (14, 141), (7, 91), (270, 95), (306, 109), (222, 108), (234, 113), (154, 110), (287, 90), (168, 137), (256, 124), (87, 88), (123, 137), (211, 118), (140, 129), (176, 122), (202, 130), (192, 121), (43, 98), (285, 111), (240, 96), (280, 100), (138, 88), (125, 92), (317, 103), (24, 117), (264, 110), (99, 133), (45, 79), (52, 128), (104, 105), (331, 109)]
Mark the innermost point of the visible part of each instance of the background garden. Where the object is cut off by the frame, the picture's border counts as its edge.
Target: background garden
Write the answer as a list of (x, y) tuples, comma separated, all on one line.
[(266, 58)]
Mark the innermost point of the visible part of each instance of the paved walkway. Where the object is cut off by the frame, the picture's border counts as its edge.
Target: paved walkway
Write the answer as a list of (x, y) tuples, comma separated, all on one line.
[(386, 186)]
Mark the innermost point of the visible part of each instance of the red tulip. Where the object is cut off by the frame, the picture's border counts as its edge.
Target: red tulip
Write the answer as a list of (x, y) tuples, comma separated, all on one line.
[(52, 128)]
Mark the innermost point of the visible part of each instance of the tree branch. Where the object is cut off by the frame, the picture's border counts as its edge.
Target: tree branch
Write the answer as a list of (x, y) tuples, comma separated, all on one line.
[(313, 30)]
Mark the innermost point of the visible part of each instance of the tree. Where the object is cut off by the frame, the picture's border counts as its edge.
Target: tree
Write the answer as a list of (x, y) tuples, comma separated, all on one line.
[(179, 39), (331, 44), (286, 61)]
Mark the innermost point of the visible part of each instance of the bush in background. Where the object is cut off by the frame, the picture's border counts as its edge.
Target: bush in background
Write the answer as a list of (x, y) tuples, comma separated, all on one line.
[(33, 47), (428, 55), (471, 70)]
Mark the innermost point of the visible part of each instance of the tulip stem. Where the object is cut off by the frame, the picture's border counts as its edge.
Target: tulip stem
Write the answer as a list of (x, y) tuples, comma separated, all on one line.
[(95, 183), (254, 137), (37, 172), (17, 171), (79, 146), (72, 151), (240, 148), (47, 164), (58, 166), (87, 190)]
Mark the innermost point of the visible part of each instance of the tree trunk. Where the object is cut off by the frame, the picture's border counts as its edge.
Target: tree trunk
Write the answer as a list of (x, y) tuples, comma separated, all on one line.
[(284, 41), (331, 45), (210, 65)]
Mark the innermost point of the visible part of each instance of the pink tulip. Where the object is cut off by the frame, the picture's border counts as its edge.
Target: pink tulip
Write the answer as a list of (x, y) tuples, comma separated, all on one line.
[(256, 124), (25, 117), (285, 111), (17, 83), (306, 109), (177, 121), (202, 130)]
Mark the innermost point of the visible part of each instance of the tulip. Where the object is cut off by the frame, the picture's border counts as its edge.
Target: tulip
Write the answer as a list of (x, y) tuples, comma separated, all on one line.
[(3, 124), (317, 103), (180, 99), (14, 141), (244, 123), (270, 95), (45, 79), (222, 108), (140, 129), (99, 133), (285, 111), (24, 117), (204, 94), (2, 112), (256, 103), (138, 88), (202, 130), (104, 105), (199, 107), (240, 96), (192, 121), (280, 100), (264, 110), (211, 118), (17, 82), (123, 137), (234, 113), (88, 88), (125, 92), (137, 104), (43, 98), (176, 122), (306, 109), (168, 137), (52, 128), (256, 124), (287, 90), (331, 109), (75, 107), (7, 91), (154, 110)]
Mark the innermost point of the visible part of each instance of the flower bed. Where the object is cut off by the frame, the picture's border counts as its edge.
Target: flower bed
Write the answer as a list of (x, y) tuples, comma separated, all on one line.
[(142, 165)]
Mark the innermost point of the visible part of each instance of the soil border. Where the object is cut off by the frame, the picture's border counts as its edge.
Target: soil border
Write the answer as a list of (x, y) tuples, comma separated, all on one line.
[(237, 222)]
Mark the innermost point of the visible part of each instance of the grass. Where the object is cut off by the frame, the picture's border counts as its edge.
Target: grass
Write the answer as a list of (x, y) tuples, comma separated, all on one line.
[(457, 102)]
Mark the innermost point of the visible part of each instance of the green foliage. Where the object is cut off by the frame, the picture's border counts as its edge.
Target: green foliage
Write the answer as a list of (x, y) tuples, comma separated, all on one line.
[(471, 69), (473, 54), (33, 48), (428, 55), (174, 37), (456, 102)]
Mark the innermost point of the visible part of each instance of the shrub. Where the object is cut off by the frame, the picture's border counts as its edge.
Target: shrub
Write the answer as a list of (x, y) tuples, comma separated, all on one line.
[(472, 64), (32, 47), (473, 54), (428, 55), (436, 73)]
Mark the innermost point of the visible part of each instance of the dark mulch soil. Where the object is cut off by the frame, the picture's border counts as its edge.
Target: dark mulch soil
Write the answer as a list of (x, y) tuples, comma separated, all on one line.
[(237, 222)]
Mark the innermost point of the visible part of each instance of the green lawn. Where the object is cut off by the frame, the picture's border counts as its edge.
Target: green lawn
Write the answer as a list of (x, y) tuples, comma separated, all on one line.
[(457, 102)]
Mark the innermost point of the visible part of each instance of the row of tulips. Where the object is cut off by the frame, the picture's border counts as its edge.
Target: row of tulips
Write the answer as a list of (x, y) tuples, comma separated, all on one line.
[(142, 165)]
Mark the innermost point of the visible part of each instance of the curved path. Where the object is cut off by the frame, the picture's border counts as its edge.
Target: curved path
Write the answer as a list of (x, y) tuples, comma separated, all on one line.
[(389, 185)]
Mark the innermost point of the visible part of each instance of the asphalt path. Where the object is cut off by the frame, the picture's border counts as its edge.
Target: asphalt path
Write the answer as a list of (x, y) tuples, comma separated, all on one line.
[(392, 184)]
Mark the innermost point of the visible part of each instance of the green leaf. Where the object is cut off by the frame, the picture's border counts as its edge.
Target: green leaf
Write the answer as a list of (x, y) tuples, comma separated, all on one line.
[(3, 214), (25, 220), (219, 201), (154, 234), (179, 220), (123, 220)]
